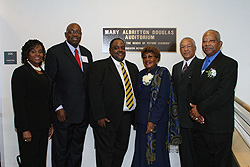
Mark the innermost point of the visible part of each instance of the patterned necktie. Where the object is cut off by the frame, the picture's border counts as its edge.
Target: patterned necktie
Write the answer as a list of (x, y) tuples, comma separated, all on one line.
[(78, 58), (184, 68), (129, 91)]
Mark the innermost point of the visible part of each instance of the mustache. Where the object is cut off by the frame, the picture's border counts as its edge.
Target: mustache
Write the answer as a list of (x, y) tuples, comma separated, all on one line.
[(208, 47)]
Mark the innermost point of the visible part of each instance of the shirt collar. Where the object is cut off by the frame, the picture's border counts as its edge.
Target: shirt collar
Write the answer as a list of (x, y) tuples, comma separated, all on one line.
[(117, 62), (211, 58), (72, 48), (188, 62)]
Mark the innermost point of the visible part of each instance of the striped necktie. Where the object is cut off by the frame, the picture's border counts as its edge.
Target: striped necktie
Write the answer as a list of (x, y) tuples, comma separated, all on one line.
[(184, 68), (129, 91)]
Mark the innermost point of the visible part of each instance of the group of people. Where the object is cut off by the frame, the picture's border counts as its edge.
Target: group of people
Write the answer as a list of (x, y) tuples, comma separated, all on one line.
[(193, 108), (205, 96)]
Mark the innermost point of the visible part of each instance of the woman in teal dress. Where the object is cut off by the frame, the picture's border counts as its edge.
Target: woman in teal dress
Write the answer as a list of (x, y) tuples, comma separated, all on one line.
[(156, 107)]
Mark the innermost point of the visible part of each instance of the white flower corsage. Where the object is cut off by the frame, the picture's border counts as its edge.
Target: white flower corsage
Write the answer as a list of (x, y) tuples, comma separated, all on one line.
[(211, 73), (146, 79)]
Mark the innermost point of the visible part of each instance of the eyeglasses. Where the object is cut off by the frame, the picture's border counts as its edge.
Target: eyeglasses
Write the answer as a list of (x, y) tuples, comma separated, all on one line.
[(149, 57), (73, 32)]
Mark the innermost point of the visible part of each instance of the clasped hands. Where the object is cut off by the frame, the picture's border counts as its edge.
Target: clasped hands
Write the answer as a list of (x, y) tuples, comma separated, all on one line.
[(195, 115)]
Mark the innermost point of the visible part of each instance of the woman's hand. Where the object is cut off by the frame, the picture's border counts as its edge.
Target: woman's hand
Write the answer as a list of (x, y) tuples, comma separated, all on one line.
[(150, 127), (27, 136)]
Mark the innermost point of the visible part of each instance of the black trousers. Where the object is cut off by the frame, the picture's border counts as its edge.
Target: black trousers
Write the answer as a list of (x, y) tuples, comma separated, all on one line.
[(111, 145), (213, 149), (34, 153), (187, 154), (67, 144)]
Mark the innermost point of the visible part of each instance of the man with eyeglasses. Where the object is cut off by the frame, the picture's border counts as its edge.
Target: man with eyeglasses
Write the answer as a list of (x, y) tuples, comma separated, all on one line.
[(67, 64), (182, 73)]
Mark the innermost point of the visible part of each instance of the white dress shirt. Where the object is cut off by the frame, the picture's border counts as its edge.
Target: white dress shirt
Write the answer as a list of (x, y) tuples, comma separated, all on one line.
[(118, 67)]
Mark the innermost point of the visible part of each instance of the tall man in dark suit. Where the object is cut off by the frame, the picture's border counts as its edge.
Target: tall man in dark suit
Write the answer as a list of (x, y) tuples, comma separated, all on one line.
[(67, 64), (213, 84), (181, 75), (112, 103)]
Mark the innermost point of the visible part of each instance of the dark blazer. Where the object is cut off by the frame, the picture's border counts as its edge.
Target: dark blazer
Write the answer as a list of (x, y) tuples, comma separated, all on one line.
[(31, 99), (70, 83), (214, 97), (107, 92), (180, 85)]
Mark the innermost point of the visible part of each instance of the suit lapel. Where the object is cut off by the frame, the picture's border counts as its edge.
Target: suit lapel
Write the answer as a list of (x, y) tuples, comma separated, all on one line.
[(32, 72), (47, 77), (190, 68), (113, 68), (215, 63), (35, 75), (178, 71), (131, 73), (84, 64), (69, 54), (204, 78)]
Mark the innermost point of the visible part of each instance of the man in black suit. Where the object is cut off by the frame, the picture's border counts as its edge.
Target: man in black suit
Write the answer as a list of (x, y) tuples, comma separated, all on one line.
[(67, 64), (112, 115), (213, 84), (181, 75)]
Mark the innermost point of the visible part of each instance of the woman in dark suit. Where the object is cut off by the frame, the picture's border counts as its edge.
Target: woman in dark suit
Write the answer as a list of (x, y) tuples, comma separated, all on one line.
[(156, 106), (31, 91)]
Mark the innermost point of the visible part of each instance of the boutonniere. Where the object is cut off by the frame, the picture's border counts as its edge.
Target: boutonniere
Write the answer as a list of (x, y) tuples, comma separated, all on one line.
[(146, 79), (211, 73)]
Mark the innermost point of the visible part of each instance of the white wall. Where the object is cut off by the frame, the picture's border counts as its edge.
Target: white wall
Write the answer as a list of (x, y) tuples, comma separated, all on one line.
[(46, 20)]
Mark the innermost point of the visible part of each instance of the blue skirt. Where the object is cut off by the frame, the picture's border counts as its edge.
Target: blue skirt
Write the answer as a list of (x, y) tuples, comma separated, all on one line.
[(162, 155)]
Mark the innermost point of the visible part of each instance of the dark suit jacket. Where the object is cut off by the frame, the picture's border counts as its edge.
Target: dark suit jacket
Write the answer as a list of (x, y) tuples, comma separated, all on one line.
[(107, 92), (214, 97), (70, 83), (180, 85), (31, 99)]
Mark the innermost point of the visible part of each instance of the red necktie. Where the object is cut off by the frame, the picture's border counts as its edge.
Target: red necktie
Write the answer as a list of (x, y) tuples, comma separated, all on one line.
[(78, 58)]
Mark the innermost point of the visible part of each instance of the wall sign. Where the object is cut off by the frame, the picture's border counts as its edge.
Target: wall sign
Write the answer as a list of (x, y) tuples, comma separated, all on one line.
[(136, 38), (10, 57)]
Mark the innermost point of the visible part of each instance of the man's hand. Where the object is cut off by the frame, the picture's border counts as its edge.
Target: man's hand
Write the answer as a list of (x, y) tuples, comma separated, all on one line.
[(61, 115), (195, 115), (27, 136), (102, 122), (51, 131), (150, 127)]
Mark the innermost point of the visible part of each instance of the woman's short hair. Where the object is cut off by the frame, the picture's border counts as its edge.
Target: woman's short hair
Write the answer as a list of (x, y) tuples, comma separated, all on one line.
[(28, 46), (151, 49)]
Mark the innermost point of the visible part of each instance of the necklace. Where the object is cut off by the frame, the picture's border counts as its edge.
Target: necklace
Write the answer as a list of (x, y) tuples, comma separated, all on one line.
[(35, 68)]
